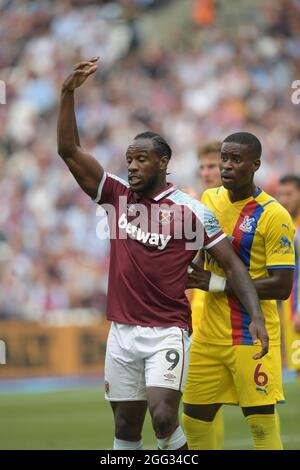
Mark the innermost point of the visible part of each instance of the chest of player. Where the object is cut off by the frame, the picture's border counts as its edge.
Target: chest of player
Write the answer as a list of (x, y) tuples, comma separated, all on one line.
[(155, 225), (243, 226)]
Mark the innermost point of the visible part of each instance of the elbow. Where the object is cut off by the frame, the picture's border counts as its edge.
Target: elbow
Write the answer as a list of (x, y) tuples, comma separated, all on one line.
[(60, 152), (283, 293), (64, 152)]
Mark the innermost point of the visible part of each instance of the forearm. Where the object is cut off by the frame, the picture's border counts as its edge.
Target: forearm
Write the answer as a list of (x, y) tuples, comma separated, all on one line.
[(67, 134), (267, 289), (242, 287), (75, 130)]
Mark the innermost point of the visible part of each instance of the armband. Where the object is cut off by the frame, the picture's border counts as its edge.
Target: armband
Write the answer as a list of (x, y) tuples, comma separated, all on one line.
[(216, 283)]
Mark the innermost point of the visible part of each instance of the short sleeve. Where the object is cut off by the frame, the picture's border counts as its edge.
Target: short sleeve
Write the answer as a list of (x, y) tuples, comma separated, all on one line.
[(213, 233), (110, 187), (279, 240), (212, 228)]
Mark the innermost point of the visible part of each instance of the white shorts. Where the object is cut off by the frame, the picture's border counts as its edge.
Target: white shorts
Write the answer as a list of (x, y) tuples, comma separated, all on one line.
[(138, 357)]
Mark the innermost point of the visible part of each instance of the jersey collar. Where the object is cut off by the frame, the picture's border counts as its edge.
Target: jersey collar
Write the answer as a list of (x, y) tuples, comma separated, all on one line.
[(164, 192), (160, 195)]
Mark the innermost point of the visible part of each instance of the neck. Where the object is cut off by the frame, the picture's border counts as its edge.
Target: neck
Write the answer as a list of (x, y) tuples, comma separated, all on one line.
[(159, 186), (242, 193)]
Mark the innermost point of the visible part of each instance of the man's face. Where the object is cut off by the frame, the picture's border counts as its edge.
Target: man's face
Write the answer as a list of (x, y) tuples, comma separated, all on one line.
[(143, 164), (209, 170), (289, 196), (237, 165)]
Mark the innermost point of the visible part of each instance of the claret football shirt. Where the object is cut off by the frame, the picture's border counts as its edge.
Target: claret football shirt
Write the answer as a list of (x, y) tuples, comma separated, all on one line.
[(152, 243)]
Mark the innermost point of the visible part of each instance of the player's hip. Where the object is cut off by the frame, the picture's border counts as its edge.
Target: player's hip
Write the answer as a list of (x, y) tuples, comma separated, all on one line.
[(139, 357), (229, 374)]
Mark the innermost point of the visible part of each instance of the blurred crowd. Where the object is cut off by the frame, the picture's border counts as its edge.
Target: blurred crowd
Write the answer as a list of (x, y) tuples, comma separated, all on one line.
[(205, 85)]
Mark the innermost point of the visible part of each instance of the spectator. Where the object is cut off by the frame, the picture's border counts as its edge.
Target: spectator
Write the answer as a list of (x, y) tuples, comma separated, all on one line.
[(185, 93)]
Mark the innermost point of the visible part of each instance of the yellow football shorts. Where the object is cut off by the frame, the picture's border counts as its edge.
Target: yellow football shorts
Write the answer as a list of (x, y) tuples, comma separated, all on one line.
[(228, 374)]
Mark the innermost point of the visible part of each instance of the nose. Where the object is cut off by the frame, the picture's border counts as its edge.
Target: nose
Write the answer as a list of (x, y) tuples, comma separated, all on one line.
[(226, 165), (204, 173), (132, 166)]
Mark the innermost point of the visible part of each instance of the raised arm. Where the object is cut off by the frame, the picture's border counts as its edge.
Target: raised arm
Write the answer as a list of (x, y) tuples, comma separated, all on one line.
[(242, 286), (86, 169)]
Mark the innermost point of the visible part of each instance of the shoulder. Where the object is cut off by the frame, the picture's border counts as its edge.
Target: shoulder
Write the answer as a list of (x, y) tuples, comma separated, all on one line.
[(212, 195), (213, 192), (272, 208), (109, 187), (183, 199), (275, 218), (117, 179), (199, 211)]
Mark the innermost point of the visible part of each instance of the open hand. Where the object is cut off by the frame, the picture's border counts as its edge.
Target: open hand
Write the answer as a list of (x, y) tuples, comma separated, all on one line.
[(81, 72), (258, 331)]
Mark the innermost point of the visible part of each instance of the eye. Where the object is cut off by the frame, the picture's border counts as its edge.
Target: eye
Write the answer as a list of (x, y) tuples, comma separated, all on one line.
[(237, 160), (224, 158)]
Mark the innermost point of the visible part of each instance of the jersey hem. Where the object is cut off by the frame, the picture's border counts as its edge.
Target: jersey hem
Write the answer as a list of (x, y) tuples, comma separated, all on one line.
[(125, 399), (152, 325), (202, 339), (281, 266)]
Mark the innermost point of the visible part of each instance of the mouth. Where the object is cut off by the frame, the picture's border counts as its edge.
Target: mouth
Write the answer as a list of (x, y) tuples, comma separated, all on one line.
[(134, 180), (227, 178)]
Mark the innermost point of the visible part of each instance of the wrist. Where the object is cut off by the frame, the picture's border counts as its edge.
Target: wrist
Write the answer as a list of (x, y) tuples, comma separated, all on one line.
[(65, 89), (256, 316), (216, 283)]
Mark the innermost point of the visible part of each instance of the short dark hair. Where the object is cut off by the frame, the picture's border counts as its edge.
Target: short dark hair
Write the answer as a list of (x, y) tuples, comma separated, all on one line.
[(161, 147), (246, 138), (290, 179), (210, 148)]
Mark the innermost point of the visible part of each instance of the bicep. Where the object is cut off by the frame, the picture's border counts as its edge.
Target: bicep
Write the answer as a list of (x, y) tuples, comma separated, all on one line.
[(278, 233), (86, 170), (283, 277)]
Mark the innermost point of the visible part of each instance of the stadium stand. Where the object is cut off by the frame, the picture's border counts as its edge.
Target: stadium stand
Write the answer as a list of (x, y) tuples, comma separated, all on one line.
[(198, 82)]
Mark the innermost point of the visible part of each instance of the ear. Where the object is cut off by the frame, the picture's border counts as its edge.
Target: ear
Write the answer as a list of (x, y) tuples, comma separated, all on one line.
[(164, 161), (256, 164)]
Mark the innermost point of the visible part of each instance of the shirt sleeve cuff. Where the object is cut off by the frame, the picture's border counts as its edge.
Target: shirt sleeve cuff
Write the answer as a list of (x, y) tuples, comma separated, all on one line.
[(215, 241), (100, 187), (281, 266)]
